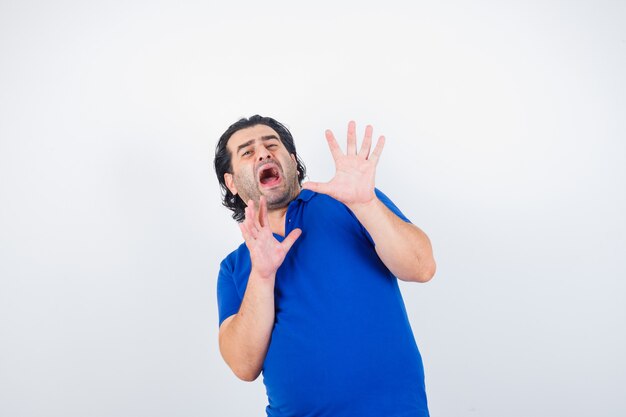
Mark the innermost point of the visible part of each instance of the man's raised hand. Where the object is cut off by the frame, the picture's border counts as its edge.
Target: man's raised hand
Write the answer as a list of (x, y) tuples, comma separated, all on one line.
[(266, 253), (355, 173)]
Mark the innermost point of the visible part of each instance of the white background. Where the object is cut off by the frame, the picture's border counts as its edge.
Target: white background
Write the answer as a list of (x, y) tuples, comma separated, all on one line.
[(505, 126)]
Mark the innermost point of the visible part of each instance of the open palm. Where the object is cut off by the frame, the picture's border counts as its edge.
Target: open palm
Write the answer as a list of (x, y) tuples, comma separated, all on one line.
[(266, 253), (355, 172)]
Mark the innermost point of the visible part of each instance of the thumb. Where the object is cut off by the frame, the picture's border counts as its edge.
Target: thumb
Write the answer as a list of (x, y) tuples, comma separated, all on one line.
[(291, 239), (318, 187)]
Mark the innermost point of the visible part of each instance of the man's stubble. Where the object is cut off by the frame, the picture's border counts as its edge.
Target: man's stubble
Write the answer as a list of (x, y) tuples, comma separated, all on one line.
[(248, 186)]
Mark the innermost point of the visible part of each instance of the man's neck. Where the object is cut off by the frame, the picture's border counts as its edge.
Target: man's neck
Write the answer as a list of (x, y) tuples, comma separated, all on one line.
[(277, 215), (277, 220)]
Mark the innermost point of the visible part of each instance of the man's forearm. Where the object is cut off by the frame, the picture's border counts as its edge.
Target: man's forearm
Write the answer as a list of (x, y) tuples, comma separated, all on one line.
[(244, 337), (402, 246)]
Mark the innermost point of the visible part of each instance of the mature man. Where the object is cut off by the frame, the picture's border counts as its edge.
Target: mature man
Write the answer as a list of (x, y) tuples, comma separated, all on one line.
[(311, 298)]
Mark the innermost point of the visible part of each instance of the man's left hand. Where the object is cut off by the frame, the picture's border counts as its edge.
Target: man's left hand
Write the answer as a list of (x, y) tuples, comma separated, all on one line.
[(355, 173)]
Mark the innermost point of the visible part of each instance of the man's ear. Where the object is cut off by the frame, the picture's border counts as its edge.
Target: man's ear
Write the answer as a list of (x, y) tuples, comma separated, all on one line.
[(295, 161), (230, 184)]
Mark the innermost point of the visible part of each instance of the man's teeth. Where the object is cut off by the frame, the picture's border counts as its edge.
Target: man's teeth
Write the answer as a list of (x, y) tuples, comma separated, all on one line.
[(269, 173)]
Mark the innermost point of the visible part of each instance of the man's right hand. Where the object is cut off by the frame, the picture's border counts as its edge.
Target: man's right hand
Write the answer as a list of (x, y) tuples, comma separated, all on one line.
[(266, 253), (245, 336)]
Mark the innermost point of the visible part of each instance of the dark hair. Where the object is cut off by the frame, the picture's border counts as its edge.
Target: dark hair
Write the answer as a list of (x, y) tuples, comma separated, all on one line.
[(223, 163)]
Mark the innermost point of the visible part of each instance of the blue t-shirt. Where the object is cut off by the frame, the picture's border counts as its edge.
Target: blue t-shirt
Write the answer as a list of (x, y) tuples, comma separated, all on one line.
[(342, 344)]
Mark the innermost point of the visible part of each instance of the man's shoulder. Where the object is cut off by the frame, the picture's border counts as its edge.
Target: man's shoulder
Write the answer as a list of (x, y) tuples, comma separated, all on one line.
[(319, 200), (323, 201), (236, 257), (308, 195)]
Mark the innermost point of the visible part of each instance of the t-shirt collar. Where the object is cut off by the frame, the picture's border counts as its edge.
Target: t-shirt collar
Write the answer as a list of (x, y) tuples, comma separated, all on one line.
[(305, 195)]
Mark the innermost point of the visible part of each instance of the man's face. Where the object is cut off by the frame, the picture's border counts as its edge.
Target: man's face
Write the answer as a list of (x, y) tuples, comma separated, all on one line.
[(262, 166)]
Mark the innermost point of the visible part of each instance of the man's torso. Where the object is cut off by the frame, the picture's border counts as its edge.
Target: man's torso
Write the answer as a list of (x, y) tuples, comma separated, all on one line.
[(342, 343)]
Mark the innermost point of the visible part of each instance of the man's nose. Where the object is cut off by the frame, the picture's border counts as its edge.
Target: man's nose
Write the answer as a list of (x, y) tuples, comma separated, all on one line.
[(263, 153)]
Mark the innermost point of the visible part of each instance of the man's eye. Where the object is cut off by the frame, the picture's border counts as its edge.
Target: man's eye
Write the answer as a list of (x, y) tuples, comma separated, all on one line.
[(273, 145), (246, 153)]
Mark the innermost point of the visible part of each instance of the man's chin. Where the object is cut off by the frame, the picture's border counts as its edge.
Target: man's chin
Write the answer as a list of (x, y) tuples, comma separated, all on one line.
[(278, 198), (277, 201)]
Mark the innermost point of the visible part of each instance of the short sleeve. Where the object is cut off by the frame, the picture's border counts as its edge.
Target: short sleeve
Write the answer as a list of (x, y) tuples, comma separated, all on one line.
[(389, 204), (228, 300)]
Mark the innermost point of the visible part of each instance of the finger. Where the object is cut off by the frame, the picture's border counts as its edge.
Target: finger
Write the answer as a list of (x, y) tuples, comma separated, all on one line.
[(249, 221), (291, 239), (367, 142), (263, 218), (377, 150), (246, 214), (351, 139), (244, 232), (253, 231), (253, 215), (335, 150), (317, 187)]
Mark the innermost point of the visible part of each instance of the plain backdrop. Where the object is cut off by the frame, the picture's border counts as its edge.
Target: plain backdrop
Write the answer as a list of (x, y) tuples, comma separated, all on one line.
[(506, 142)]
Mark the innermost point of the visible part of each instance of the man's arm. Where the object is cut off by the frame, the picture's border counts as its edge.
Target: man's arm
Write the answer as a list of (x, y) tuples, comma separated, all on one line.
[(402, 247), (244, 337)]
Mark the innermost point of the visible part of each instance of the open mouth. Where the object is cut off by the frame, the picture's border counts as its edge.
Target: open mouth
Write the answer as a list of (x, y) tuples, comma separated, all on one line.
[(269, 175)]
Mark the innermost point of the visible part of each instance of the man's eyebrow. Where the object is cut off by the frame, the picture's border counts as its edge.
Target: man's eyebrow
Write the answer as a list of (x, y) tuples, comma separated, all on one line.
[(243, 145), (251, 141), (268, 137)]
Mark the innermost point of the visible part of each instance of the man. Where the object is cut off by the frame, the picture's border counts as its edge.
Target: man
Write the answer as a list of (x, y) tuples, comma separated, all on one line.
[(311, 299)]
